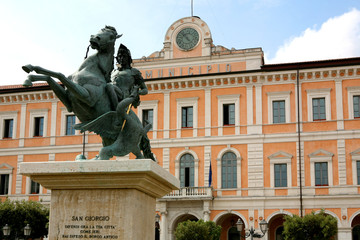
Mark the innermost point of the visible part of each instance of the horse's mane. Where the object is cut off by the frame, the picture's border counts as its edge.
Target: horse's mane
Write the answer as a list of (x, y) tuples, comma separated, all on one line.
[(111, 29)]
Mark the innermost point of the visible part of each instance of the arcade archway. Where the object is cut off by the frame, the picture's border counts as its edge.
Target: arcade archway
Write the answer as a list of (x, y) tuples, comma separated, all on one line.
[(355, 226), (228, 226)]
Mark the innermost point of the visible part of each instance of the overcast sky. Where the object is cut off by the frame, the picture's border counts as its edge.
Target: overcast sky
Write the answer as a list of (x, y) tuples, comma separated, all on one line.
[(55, 34)]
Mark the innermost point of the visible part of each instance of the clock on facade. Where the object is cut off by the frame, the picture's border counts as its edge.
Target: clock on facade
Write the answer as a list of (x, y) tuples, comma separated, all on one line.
[(187, 38)]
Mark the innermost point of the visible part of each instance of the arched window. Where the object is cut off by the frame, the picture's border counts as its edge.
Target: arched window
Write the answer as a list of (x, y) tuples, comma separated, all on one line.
[(187, 170), (228, 170), (233, 234), (356, 232), (278, 233)]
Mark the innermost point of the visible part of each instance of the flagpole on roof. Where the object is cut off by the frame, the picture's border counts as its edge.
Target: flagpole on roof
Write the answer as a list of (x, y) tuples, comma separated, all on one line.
[(192, 8)]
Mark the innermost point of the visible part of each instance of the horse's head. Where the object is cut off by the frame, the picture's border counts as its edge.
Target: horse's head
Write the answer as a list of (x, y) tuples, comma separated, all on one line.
[(104, 39)]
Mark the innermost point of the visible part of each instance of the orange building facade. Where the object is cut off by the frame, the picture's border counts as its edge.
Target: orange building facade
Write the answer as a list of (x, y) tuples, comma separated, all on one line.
[(246, 139)]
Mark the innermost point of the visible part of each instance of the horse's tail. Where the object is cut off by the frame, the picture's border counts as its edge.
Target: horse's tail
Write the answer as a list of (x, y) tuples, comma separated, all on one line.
[(145, 144)]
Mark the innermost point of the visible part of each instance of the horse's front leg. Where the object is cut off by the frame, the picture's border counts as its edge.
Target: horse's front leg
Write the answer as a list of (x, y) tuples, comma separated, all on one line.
[(59, 91), (79, 91)]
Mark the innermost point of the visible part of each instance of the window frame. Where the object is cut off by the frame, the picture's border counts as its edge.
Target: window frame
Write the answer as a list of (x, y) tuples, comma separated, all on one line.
[(319, 93), (228, 99), (280, 157), (192, 169), (317, 115), (233, 174), (358, 103), (28, 187), (352, 91), (281, 176), (355, 157), (318, 156), (219, 169), (38, 127), (6, 169), (358, 172), (230, 119), (279, 96), (6, 184), (64, 114), (67, 127), (5, 116), (146, 105), (33, 183), (279, 109), (8, 131), (321, 172), (186, 123), (147, 111), (186, 102), (196, 165), (35, 113)]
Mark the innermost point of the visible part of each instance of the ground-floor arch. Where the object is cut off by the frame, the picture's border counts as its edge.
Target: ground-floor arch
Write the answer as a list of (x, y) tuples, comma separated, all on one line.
[(227, 221), (181, 218), (276, 227), (355, 227)]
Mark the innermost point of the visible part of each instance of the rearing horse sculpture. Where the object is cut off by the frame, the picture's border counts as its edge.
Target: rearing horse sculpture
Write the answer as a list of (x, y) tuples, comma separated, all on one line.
[(85, 91)]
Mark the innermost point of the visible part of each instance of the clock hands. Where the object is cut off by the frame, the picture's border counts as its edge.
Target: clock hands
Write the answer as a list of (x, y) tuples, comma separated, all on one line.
[(187, 37)]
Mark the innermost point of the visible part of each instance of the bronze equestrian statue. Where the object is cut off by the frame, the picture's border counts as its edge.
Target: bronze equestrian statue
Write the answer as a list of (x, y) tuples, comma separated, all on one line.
[(88, 92)]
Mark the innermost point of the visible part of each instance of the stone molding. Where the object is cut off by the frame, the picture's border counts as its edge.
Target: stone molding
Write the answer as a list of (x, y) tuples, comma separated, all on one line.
[(143, 175)]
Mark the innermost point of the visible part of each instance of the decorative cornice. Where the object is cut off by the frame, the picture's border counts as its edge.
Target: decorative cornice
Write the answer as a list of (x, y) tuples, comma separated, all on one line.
[(245, 78), (28, 97), (223, 80)]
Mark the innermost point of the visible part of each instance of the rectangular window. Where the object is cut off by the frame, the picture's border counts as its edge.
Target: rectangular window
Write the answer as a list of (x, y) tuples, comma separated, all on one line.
[(38, 126), (358, 171), (356, 102), (229, 114), (4, 184), (35, 187), (8, 128), (321, 174), (187, 117), (148, 117), (70, 122), (280, 171), (278, 111), (318, 105)]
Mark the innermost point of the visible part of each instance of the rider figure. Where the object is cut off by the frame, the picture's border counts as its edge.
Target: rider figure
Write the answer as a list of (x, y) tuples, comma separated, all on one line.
[(127, 83), (126, 80)]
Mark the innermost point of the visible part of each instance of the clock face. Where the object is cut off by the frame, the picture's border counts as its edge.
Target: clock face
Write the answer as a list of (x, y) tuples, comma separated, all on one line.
[(187, 38)]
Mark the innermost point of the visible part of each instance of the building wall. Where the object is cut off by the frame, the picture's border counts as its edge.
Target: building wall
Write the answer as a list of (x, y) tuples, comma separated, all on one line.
[(255, 140), (206, 80)]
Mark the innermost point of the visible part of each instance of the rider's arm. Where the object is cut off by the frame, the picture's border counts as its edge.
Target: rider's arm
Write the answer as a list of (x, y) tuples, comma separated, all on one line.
[(139, 80)]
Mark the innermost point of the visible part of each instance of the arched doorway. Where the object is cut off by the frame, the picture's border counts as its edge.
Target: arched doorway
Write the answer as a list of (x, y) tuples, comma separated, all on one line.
[(355, 225), (181, 219), (276, 227), (233, 234), (278, 233), (228, 227)]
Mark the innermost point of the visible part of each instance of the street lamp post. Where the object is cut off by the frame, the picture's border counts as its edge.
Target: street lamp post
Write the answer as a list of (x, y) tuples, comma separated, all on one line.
[(251, 232), (6, 230), (27, 231)]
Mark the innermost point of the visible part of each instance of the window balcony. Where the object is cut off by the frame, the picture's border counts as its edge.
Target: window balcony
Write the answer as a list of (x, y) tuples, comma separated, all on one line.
[(190, 193)]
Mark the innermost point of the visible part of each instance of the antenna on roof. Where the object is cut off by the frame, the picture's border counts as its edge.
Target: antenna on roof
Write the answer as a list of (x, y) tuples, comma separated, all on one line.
[(192, 8)]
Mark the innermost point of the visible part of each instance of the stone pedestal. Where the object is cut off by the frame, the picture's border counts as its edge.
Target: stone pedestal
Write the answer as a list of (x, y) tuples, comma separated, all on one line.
[(102, 199)]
